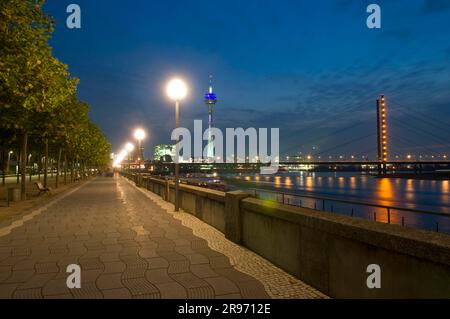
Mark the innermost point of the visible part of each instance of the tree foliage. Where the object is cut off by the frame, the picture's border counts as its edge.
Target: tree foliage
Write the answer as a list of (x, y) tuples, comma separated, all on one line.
[(38, 96)]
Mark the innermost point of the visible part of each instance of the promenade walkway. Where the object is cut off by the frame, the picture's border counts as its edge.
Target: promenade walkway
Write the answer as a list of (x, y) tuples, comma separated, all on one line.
[(130, 244)]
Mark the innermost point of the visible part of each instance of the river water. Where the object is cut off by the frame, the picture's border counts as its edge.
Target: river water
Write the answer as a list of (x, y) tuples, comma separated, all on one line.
[(428, 195)]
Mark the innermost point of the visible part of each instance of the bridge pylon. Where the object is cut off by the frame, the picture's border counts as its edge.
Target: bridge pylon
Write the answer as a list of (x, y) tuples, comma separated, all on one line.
[(382, 136)]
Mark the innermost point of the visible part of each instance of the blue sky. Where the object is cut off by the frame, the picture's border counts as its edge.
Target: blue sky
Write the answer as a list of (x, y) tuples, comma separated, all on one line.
[(311, 68)]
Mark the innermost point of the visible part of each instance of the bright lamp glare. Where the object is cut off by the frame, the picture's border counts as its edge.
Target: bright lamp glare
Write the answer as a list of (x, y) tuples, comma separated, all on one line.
[(123, 153), (176, 89), (120, 158), (139, 134), (129, 147)]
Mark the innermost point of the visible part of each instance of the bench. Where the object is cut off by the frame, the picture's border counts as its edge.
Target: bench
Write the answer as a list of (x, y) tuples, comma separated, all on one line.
[(41, 188)]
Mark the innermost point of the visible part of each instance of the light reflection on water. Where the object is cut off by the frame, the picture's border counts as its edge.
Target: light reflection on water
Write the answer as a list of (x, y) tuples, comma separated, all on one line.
[(407, 193), (410, 193)]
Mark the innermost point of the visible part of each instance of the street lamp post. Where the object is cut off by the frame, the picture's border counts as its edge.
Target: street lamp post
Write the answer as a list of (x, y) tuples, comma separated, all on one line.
[(9, 159), (130, 148), (177, 90), (139, 134)]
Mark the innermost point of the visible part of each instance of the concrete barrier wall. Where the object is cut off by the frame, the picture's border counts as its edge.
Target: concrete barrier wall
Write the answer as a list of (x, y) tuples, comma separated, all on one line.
[(332, 252), (207, 205), (327, 251)]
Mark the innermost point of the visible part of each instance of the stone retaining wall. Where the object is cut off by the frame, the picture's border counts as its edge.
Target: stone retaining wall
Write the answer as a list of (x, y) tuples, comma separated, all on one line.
[(328, 251)]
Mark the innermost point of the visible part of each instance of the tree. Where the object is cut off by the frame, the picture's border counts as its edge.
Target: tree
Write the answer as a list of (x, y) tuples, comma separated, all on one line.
[(38, 96), (24, 56)]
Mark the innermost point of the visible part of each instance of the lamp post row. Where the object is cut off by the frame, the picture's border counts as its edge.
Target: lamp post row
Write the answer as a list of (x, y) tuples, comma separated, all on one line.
[(176, 90)]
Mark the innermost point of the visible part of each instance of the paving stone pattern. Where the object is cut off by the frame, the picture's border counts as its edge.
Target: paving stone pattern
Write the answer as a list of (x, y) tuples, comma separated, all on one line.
[(277, 282), (128, 246)]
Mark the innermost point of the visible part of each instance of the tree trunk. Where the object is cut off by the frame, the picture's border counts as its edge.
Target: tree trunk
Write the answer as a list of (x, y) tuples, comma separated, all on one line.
[(65, 168), (77, 169), (71, 172), (57, 166), (5, 164), (18, 161), (8, 164), (39, 165), (23, 166), (46, 163), (31, 170)]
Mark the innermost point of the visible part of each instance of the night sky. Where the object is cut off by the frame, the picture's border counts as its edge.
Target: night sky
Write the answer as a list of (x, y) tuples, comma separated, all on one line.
[(311, 68)]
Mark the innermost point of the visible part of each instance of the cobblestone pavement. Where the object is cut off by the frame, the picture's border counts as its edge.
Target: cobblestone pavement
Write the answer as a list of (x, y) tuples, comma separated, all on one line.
[(128, 247), (277, 282)]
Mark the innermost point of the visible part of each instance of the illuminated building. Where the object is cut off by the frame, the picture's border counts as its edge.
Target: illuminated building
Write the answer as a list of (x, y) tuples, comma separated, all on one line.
[(162, 150)]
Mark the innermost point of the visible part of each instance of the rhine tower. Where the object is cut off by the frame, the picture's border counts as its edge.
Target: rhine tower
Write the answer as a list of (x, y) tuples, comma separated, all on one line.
[(210, 101)]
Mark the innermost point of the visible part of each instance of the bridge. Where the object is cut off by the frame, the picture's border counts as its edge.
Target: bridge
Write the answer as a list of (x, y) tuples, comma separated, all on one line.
[(389, 163), (387, 142)]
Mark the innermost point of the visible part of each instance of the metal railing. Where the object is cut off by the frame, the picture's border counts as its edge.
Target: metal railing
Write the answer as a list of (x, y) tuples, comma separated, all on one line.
[(408, 217)]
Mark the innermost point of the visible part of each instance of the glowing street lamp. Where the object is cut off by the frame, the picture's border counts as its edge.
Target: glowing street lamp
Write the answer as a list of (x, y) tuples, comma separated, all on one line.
[(123, 153), (120, 158), (139, 134), (129, 147), (177, 90)]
